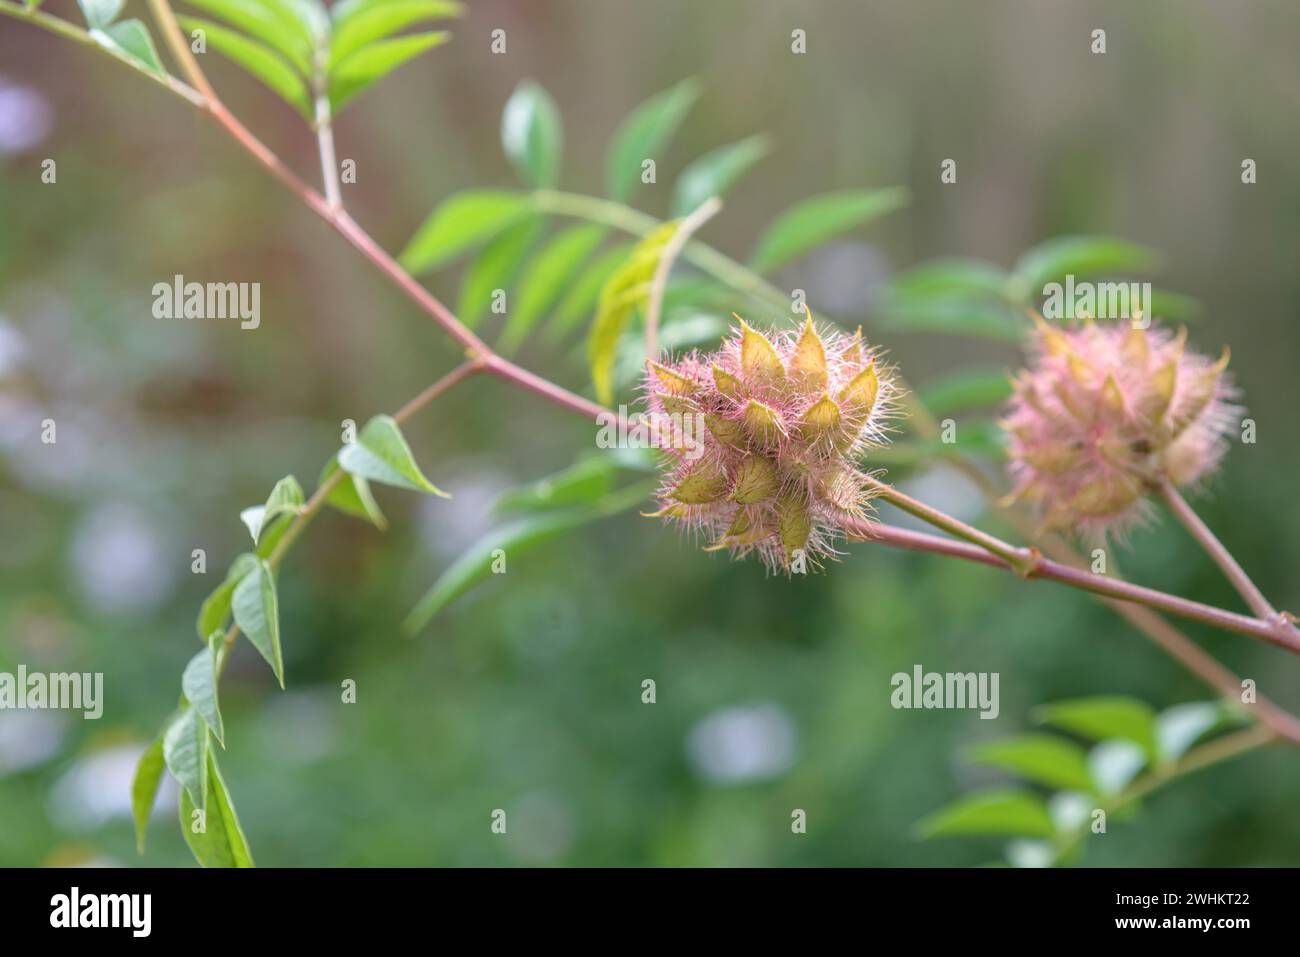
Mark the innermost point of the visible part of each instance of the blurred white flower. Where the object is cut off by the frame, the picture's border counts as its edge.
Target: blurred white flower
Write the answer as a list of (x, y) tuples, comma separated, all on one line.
[(29, 738), (120, 560), (98, 788), (741, 744), (25, 118)]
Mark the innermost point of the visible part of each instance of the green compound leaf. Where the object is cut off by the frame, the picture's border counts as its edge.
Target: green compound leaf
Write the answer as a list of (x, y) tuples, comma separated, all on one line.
[(494, 269), (580, 301), (272, 25), (381, 454), (366, 23)]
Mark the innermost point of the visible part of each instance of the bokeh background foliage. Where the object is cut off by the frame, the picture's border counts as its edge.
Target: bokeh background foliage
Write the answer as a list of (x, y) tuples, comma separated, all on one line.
[(525, 694)]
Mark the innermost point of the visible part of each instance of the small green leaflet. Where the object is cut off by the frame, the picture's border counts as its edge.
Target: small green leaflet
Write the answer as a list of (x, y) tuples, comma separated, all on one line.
[(514, 539), (355, 74), (495, 269), (376, 21), (812, 222), (216, 607), (1103, 717), (532, 135), (549, 272), (1079, 256), (285, 499), (715, 172), (992, 812), (199, 684), (622, 293), (948, 278), (130, 37), (260, 60), (352, 496), (1042, 758), (580, 300), (966, 389), (459, 223), (279, 30), (257, 613), (185, 749), (587, 480), (645, 132), (144, 788), (953, 316), (221, 841), (381, 454), (100, 13)]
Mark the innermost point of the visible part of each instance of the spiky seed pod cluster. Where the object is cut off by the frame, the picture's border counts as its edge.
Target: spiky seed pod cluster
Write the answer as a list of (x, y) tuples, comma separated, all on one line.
[(774, 469), (1103, 411)]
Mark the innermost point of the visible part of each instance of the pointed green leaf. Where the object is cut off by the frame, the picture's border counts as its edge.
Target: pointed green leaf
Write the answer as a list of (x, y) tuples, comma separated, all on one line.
[(185, 749), (494, 269), (1042, 758), (144, 788), (1079, 256), (532, 135), (282, 32), (219, 841), (625, 290), (257, 613), (216, 607), (587, 480), (352, 496), (461, 222), (131, 37), (549, 272), (199, 684), (992, 812), (645, 132), (580, 301), (285, 499), (258, 59), (381, 454), (1103, 717), (966, 389), (812, 222), (372, 63), (948, 278), (100, 13), (715, 172), (509, 542), (375, 21)]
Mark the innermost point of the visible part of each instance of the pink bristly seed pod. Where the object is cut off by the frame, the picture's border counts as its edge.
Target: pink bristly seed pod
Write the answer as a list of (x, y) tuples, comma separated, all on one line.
[(786, 418), (1102, 412)]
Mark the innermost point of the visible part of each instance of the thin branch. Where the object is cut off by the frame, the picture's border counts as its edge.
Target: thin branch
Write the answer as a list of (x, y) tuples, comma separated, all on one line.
[(687, 228), (329, 167), (1076, 578), (1216, 550), (174, 38)]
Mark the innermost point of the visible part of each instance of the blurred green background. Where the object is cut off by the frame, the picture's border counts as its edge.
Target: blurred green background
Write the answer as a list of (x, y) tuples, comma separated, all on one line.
[(526, 695)]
